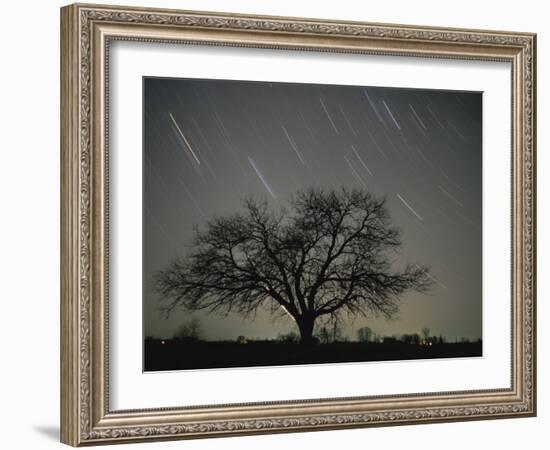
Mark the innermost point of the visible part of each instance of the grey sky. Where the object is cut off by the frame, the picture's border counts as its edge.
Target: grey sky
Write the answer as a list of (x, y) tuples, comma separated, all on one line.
[(209, 143)]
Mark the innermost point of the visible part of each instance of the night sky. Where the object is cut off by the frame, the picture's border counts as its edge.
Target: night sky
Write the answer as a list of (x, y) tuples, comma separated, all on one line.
[(210, 143)]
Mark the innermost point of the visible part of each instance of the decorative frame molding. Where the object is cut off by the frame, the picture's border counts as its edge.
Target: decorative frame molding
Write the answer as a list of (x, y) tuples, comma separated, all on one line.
[(86, 31)]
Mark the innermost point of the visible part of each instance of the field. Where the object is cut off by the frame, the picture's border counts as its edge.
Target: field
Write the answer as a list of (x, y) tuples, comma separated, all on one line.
[(179, 354)]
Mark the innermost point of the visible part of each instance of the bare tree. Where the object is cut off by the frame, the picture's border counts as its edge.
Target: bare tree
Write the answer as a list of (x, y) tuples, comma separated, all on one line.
[(364, 334), (191, 330), (425, 334), (330, 333), (326, 255)]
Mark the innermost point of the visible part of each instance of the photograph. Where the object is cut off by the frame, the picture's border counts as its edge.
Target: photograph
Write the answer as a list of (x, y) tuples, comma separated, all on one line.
[(286, 220), (298, 223)]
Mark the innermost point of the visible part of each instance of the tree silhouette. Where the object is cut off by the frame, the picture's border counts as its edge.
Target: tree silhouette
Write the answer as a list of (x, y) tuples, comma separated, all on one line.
[(326, 255), (364, 334), (328, 334), (425, 334), (189, 331)]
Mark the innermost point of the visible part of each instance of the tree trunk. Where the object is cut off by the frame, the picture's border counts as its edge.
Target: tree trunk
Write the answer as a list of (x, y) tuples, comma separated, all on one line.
[(305, 324)]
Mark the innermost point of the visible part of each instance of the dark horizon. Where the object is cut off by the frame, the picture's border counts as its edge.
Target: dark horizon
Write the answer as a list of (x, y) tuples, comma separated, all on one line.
[(209, 143)]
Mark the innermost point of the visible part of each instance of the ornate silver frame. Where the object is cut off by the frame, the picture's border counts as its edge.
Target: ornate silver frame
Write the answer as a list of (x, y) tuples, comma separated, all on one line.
[(86, 31)]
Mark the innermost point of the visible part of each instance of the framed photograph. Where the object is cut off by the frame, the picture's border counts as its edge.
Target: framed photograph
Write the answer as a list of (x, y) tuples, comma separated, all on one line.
[(274, 224)]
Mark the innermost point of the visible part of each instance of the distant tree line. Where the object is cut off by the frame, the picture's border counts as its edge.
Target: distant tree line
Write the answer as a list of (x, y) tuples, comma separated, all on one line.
[(365, 334), (192, 330)]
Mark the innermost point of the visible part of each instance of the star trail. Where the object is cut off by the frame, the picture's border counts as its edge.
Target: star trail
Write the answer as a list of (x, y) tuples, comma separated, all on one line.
[(208, 144)]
